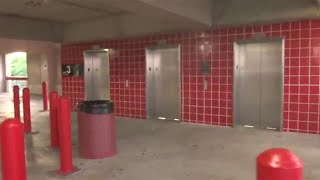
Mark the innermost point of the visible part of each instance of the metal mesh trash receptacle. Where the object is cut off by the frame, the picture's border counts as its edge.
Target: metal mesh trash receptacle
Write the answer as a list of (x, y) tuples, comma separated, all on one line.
[(96, 128)]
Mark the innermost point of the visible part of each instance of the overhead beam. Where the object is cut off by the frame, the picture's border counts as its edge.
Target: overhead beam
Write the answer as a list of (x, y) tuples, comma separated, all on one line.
[(143, 19), (92, 7), (235, 12), (126, 26), (199, 10), (30, 29)]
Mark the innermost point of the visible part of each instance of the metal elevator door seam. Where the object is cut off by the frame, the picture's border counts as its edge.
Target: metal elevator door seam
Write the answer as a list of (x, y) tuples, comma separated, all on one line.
[(92, 74), (153, 89)]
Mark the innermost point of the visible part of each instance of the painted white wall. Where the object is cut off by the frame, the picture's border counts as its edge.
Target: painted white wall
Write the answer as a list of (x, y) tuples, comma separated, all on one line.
[(47, 52), (37, 64), (125, 26)]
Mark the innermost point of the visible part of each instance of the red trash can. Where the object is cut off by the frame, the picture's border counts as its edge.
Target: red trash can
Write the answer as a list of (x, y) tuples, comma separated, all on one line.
[(279, 164), (96, 129)]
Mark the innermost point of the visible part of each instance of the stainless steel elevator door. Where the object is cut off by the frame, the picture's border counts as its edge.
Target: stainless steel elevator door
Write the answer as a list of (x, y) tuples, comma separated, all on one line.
[(271, 85), (163, 83), (249, 85), (258, 84), (96, 74)]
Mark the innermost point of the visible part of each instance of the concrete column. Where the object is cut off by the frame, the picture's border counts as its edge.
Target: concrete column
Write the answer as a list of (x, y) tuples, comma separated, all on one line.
[(3, 85), (54, 69), (35, 72), (58, 71)]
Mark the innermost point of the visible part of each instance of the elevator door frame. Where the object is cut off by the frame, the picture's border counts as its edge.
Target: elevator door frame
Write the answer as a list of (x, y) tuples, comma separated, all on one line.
[(237, 44), (149, 103), (87, 55)]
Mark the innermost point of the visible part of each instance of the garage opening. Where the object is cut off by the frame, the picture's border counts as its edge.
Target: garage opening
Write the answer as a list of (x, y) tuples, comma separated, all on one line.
[(16, 70)]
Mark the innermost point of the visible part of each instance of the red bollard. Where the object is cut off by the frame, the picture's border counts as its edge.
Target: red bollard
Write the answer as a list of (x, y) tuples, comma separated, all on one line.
[(12, 150), (26, 110), (16, 102), (54, 134), (45, 96), (279, 164), (64, 122)]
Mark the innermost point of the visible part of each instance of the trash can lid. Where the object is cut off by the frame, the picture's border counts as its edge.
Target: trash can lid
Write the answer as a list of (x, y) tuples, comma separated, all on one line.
[(279, 158), (96, 106)]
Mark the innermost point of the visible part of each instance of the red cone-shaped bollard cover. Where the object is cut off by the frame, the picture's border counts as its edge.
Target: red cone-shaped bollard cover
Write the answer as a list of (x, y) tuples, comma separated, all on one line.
[(12, 150), (279, 164)]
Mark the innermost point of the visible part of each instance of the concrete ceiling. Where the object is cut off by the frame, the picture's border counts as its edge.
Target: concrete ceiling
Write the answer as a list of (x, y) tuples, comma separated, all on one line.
[(148, 15), (64, 11), (231, 12), (68, 11)]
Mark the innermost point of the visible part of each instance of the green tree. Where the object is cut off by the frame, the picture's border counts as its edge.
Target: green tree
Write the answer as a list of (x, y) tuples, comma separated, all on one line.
[(18, 63)]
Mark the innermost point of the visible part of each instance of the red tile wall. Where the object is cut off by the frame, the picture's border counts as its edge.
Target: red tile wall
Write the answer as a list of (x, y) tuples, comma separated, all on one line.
[(214, 106)]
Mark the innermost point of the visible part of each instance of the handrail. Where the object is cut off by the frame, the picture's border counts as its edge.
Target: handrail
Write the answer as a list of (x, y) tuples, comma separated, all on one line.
[(17, 78)]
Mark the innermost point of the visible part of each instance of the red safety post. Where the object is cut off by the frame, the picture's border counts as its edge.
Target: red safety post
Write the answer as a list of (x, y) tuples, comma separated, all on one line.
[(64, 122), (12, 150), (16, 102), (26, 111), (45, 95), (279, 164), (54, 133)]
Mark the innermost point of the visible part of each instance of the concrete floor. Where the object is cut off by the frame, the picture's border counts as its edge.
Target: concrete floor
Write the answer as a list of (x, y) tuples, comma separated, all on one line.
[(157, 150)]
